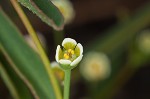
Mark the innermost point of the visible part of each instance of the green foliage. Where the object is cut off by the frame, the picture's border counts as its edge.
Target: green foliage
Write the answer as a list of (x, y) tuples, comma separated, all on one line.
[(46, 11), (16, 86), (28, 64)]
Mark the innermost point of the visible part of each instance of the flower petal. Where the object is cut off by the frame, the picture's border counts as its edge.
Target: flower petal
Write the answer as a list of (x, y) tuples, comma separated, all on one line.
[(57, 53), (69, 40), (81, 48), (69, 43), (76, 61), (64, 62), (78, 50)]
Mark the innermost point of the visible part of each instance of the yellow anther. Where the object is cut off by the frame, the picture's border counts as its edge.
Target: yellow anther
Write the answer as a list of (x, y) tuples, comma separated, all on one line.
[(66, 56), (72, 52)]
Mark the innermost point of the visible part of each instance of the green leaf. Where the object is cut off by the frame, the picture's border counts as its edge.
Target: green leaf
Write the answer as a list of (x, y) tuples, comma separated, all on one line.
[(28, 64), (46, 11), (16, 86)]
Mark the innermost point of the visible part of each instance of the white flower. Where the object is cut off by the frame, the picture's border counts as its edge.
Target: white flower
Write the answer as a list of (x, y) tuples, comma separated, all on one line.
[(144, 41), (69, 54), (66, 8), (95, 66)]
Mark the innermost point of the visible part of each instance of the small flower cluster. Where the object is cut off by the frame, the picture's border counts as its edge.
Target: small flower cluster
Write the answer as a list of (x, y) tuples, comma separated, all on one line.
[(95, 66), (144, 41)]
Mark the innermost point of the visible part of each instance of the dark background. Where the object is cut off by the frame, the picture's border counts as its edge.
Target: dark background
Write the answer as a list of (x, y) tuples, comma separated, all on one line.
[(93, 17)]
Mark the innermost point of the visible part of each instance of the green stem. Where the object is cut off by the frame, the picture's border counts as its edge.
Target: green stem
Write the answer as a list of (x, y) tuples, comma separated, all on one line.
[(67, 84), (58, 37)]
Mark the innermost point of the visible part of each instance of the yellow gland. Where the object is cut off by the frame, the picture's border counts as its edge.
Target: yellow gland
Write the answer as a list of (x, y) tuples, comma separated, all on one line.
[(66, 56), (69, 54), (70, 51)]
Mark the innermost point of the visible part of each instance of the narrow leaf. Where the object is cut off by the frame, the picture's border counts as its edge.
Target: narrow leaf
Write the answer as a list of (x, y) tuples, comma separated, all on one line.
[(28, 64), (16, 86), (46, 11)]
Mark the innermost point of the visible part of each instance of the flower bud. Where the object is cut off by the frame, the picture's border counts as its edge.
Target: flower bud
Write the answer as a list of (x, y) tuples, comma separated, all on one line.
[(31, 42), (66, 8), (59, 73)]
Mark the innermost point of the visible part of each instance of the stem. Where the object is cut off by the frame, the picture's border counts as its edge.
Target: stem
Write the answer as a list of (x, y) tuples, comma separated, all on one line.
[(58, 36), (39, 46), (67, 84)]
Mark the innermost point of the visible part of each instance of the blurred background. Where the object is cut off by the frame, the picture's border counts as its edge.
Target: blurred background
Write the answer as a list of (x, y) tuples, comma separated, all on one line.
[(112, 30)]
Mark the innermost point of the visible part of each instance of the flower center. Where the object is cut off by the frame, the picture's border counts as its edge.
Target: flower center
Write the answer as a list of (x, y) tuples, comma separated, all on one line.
[(68, 54)]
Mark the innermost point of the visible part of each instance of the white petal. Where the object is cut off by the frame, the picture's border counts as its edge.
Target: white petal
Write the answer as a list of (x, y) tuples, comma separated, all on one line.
[(76, 61), (81, 48), (57, 53), (65, 62), (66, 40)]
